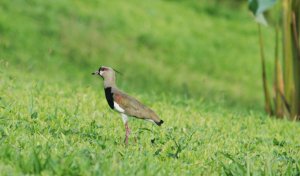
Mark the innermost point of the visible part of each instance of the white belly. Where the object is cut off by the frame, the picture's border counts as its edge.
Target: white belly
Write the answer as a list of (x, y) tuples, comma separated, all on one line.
[(118, 108)]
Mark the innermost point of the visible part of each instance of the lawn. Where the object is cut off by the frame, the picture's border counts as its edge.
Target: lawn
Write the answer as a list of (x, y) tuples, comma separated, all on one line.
[(194, 62)]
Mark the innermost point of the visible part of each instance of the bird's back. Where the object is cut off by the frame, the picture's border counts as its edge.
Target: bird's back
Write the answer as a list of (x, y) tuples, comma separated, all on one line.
[(133, 107)]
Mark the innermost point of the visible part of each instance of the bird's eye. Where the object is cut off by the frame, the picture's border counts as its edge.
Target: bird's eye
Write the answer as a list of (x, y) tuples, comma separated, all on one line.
[(102, 69)]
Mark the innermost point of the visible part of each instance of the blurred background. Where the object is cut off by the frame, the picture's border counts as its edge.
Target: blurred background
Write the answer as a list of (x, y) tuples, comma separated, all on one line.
[(199, 50), (195, 62)]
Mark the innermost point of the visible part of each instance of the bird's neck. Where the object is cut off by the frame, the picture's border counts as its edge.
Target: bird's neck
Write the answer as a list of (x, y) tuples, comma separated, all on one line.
[(109, 82)]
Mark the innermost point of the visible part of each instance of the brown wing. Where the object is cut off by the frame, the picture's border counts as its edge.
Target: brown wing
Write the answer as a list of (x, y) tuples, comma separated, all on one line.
[(133, 107)]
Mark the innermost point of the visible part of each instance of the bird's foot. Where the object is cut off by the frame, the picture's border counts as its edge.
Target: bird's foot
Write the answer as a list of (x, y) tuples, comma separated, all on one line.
[(127, 137), (128, 131), (126, 141)]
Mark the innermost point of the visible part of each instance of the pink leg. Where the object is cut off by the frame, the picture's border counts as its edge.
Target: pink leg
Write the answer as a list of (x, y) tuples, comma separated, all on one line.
[(127, 133)]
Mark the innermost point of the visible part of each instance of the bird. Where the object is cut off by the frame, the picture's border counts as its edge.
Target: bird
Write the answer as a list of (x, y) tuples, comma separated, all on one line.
[(122, 103)]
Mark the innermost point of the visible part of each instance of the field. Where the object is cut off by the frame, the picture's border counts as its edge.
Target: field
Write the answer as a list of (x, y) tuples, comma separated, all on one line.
[(196, 63)]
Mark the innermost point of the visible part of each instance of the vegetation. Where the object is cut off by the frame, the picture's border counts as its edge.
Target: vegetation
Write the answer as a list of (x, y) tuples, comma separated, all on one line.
[(287, 83), (54, 118)]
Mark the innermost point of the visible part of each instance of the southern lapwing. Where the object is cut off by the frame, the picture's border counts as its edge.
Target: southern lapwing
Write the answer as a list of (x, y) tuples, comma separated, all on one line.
[(123, 103)]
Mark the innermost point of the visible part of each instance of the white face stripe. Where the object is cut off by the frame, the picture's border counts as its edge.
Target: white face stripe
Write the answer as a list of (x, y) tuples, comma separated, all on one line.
[(124, 118), (118, 108), (101, 73)]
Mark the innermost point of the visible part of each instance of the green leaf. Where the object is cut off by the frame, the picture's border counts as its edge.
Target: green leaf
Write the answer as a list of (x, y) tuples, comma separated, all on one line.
[(253, 6), (259, 7), (34, 115), (37, 166)]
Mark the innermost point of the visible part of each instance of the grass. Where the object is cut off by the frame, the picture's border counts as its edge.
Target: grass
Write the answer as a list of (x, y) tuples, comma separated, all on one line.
[(194, 63)]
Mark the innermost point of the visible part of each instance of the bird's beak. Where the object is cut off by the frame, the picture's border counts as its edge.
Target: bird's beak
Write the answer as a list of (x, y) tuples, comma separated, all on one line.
[(96, 73)]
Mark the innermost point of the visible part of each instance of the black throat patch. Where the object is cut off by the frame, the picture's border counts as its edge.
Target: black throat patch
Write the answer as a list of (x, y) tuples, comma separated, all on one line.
[(109, 97)]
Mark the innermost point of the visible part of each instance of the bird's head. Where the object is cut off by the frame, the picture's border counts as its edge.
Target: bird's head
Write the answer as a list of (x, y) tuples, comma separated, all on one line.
[(104, 72)]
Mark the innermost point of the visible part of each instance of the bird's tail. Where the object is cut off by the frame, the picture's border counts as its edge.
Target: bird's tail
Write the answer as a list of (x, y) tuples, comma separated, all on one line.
[(159, 123)]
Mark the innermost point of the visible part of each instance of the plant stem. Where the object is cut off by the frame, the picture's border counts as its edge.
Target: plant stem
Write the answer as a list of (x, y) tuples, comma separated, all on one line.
[(289, 73), (268, 107), (279, 86)]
